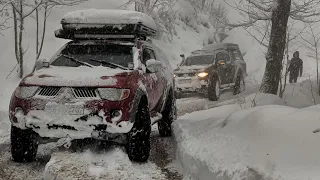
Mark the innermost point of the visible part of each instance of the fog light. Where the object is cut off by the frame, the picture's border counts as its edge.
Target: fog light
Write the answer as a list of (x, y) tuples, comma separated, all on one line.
[(116, 115), (17, 114)]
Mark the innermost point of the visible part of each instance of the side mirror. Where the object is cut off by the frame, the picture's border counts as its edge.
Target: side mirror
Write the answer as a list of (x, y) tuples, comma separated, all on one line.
[(153, 65), (39, 64), (183, 57)]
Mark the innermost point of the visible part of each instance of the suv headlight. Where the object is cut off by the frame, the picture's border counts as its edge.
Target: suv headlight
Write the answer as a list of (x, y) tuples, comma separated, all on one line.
[(26, 91), (113, 94), (203, 74)]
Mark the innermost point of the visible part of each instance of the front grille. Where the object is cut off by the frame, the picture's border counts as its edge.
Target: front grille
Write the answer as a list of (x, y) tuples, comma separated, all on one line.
[(186, 75), (49, 91), (85, 92)]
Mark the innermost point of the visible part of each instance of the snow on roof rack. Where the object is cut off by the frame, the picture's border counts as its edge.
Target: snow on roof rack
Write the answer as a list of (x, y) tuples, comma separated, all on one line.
[(202, 52), (220, 46), (105, 24)]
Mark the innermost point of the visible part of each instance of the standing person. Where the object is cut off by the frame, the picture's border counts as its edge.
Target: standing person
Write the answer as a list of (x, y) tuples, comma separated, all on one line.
[(295, 67)]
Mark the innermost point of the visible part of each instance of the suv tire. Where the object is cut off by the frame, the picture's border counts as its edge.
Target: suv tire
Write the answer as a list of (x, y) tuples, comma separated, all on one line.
[(23, 145), (138, 147), (239, 85), (168, 115), (214, 89)]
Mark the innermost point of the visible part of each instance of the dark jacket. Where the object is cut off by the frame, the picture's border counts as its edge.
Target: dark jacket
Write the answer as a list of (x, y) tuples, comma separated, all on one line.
[(296, 65)]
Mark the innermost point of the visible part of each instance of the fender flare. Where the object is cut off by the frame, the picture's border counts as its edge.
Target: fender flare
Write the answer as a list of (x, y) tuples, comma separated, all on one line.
[(213, 75), (236, 74), (136, 101)]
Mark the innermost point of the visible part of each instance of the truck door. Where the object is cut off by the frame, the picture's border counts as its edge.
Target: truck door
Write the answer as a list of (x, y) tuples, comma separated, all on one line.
[(225, 67)]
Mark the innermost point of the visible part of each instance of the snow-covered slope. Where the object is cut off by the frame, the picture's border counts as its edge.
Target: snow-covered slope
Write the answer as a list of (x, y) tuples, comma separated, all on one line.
[(235, 141)]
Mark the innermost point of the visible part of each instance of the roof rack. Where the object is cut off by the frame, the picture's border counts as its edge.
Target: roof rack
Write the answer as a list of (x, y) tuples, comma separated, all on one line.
[(102, 31), (106, 24), (202, 52)]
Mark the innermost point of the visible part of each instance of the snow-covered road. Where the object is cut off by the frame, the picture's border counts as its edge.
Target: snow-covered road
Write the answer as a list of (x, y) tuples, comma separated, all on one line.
[(93, 162)]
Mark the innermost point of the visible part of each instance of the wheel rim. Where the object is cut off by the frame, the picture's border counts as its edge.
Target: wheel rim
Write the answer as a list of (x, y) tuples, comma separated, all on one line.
[(217, 89)]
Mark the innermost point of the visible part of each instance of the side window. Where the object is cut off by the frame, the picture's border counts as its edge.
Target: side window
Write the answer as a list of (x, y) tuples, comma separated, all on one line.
[(236, 55), (223, 57), (147, 55)]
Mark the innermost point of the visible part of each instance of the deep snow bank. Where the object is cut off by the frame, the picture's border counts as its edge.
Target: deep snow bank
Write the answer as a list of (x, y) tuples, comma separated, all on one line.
[(275, 142)]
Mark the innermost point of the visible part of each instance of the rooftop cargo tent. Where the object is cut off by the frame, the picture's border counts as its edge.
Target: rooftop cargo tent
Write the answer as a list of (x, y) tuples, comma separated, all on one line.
[(106, 24)]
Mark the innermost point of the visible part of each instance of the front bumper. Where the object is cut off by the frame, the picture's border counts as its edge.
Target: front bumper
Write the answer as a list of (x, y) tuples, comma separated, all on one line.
[(191, 84), (60, 120), (47, 125)]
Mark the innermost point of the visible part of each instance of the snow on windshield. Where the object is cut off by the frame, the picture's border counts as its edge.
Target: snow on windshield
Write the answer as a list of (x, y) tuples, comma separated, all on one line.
[(198, 60)]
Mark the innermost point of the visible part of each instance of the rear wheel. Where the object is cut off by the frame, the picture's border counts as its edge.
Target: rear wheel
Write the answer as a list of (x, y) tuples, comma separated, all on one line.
[(214, 90), (239, 85), (23, 145), (168, 115), (138, 147)]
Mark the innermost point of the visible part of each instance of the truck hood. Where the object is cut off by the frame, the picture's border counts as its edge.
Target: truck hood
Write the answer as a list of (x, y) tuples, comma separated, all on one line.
[(190, 69), (77, 77)]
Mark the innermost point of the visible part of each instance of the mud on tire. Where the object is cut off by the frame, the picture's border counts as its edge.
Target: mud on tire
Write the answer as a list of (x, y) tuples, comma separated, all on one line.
[(212, 94), (168, 115), (23, 145), (138, 147)]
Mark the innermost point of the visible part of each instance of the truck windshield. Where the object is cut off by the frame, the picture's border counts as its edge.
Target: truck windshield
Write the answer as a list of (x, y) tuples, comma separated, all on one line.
[(198, 60), (93, 55)]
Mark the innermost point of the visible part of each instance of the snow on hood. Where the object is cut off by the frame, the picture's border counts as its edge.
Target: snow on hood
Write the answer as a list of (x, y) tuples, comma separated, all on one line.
[(187, 69), (74, 76)]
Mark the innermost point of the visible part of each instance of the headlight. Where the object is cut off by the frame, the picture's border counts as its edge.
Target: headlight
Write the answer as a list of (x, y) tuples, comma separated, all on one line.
[(203, 74), (174, 75), (113, 94), (26, 91)]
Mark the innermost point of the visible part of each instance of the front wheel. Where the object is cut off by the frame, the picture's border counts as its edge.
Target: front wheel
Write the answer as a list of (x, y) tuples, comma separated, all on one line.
[(214, 90), (23, 145), (239, 85), (168, 115), (138, 147)]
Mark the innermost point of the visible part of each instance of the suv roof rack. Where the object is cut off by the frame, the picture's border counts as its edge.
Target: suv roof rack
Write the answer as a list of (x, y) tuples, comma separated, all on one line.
[(202, 52), (114, 31), (106, 24)]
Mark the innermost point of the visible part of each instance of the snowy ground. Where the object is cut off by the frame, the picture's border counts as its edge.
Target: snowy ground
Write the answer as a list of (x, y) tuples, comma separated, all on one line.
[(235, 141), (94, 161)]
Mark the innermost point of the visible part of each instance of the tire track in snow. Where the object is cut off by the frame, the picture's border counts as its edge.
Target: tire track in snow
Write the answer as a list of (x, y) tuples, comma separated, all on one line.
[(163, 154)]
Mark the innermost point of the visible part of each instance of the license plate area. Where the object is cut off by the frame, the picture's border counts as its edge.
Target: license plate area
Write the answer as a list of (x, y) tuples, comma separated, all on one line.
[(185, 81), (65, 109)]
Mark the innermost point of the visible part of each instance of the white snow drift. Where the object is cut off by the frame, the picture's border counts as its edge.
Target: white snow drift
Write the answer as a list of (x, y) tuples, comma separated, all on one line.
[(269, 141)]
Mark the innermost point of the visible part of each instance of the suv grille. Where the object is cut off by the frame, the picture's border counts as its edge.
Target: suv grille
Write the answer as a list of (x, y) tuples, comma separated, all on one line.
[(84, 92), (187, 74), (49, 91)]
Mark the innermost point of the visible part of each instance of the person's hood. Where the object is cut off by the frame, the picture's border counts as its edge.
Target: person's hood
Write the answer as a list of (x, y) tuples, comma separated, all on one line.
[(77, 77), (296, 54)]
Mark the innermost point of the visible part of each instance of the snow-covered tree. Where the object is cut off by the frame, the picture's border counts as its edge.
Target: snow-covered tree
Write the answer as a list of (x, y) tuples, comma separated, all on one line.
[(22, 9), (4, 15), (277, 12)]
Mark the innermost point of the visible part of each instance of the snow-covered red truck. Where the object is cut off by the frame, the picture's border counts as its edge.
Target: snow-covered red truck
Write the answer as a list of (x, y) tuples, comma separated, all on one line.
[(110, 83), (211, 70)]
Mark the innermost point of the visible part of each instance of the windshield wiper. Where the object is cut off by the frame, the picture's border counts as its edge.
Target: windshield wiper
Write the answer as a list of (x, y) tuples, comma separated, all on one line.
[(76, 60), (112, 65)]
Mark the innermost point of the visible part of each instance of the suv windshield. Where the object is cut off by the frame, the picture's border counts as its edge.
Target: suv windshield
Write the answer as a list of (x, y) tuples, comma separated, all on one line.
[(95, 55), (198, 60)]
